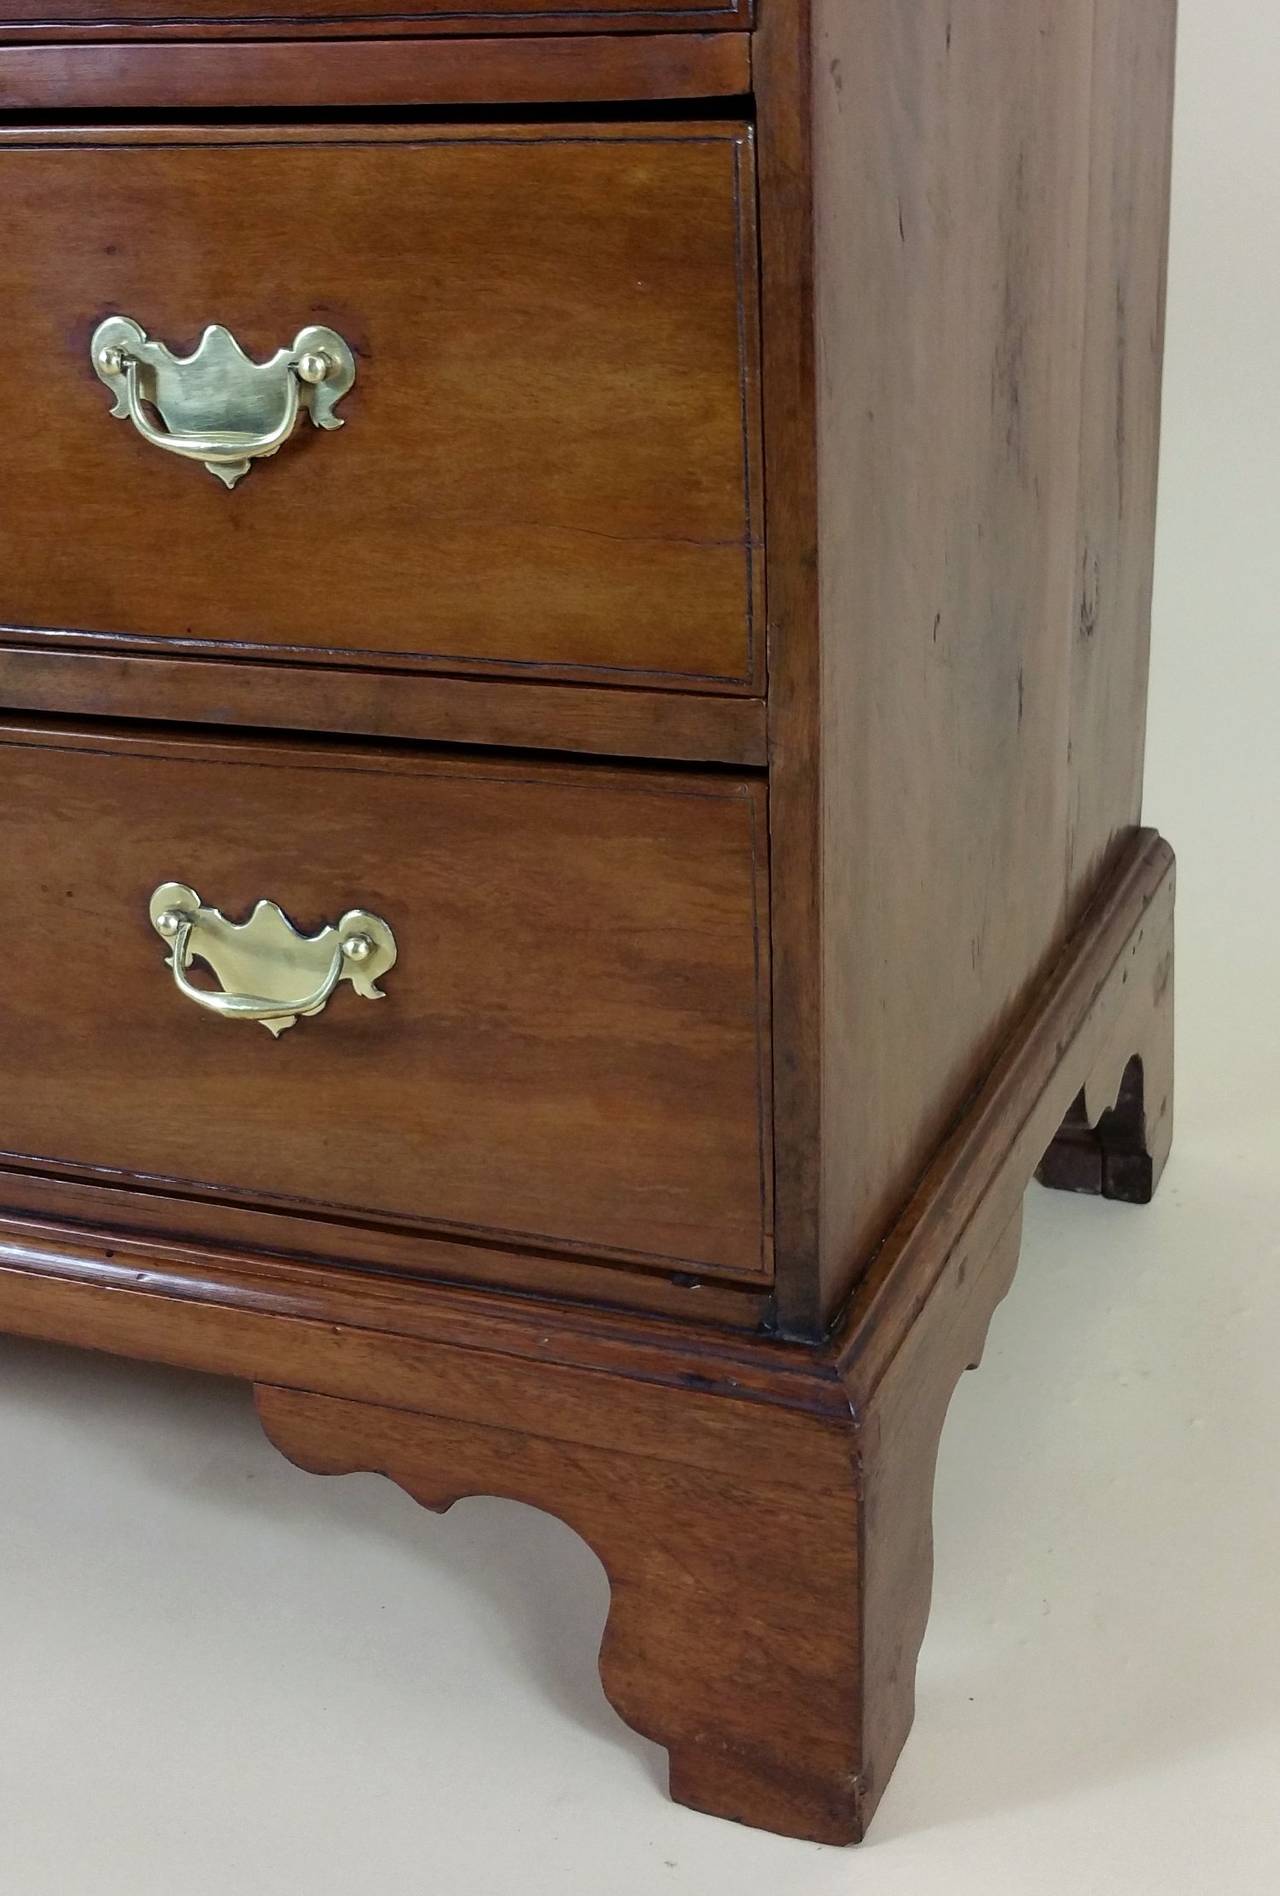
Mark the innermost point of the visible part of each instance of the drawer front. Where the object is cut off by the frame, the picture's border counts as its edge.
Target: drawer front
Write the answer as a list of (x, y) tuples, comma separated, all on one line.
[(548, 466), (209, 18), (571, 1052)]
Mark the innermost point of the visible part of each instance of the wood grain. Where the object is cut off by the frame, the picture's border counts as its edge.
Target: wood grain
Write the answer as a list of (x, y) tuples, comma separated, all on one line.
[(573, 1048), (989, 186), (1115, 1141), (1133, 72), (548, 463), (696, 727), (898, 1454), (221, 75), (763, 1509), (732, 1635), (43, 1200), (446, 1238), (1104, 1001), (797, 751), (253, 19)]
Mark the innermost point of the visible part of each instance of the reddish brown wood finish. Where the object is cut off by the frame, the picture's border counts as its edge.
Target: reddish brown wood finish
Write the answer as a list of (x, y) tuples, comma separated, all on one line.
[(692, 727), (1114, 1143), (1108, 997), (732, 1638), (573, 1049), (548, 466), (453, 1252), (763, 1509), (964, 214), (257, 19), (214, 76), (43, 1203)]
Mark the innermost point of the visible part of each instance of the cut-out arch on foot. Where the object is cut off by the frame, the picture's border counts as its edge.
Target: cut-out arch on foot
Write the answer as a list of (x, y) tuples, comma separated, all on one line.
[(731, 1637), (1115, 1139), (764, 1618)]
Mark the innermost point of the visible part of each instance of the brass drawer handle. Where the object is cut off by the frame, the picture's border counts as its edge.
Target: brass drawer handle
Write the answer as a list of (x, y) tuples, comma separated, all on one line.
[(264, 962), (218, 406)]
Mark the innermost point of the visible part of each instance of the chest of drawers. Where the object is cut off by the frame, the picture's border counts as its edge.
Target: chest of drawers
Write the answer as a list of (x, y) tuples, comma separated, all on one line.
[(575, 585)]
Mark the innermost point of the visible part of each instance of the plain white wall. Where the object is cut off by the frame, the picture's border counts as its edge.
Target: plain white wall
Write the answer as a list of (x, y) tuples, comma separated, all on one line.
[(1213, 763)]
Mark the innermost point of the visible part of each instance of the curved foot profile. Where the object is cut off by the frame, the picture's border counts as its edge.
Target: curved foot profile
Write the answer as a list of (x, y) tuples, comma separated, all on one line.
[(770, 1566), (1115, 1139), (732, 1636)]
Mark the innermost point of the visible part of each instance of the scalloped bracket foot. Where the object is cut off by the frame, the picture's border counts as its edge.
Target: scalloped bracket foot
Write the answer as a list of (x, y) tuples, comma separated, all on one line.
[(1114, 1141), (729, 1532), (770, 1565)]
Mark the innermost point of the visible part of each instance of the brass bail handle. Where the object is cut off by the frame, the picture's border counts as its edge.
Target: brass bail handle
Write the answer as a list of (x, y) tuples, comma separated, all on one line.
[(218, 406), (269, 971)]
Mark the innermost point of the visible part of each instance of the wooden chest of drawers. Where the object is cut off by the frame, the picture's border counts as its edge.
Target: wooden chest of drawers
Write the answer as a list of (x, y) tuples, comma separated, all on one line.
[(623, 536)]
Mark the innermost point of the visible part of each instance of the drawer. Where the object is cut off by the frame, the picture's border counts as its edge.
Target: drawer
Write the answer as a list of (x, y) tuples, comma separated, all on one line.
[(571, 1051), (549, 461), (210, 18)]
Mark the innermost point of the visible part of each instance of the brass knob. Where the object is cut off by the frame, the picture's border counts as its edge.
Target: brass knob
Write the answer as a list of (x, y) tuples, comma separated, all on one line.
[(313, 367)]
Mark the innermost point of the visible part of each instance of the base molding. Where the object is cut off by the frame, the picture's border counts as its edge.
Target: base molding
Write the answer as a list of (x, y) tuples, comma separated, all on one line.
[(763, 1508)]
